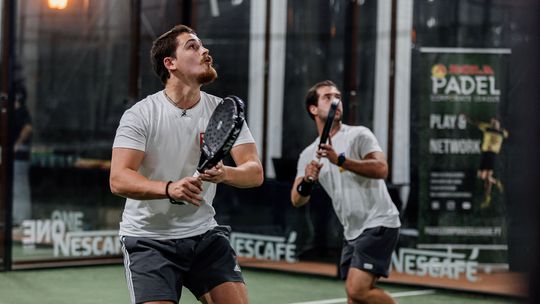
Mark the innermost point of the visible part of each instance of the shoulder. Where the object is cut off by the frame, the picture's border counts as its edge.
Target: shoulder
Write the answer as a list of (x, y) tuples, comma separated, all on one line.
[(358, 131), (148, 103), (144, 110)]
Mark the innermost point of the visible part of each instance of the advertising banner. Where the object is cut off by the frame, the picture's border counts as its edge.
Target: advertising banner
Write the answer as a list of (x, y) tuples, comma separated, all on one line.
[(462, 154)]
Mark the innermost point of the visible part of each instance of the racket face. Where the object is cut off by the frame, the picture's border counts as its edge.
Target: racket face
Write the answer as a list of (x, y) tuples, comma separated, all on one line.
[(219, 127), (222, 131)]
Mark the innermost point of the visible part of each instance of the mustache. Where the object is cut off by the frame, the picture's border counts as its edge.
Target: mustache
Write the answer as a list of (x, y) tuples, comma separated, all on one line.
[(207, 58)]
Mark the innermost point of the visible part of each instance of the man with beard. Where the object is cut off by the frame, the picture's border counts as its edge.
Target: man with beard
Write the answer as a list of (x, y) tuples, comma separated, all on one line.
[(351, 169), (168, 232)]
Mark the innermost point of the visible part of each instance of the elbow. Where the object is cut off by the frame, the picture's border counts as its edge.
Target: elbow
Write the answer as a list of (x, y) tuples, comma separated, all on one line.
[(259, 176), (294, 203), (115, 186), (382, 172)]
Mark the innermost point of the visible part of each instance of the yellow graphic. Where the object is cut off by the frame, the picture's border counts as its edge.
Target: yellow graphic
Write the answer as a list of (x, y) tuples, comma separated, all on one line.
[(493, 136), (439, 71)]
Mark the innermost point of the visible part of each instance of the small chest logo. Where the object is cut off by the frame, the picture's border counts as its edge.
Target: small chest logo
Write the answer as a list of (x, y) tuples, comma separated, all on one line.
[(201, 138)]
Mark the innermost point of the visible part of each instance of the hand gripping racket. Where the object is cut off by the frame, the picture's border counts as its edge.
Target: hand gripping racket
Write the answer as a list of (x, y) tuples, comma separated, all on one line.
[(327, 126), (221, 132)]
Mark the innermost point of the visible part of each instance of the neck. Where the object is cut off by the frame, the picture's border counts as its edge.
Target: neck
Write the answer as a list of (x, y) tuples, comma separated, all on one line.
[(182, 95)]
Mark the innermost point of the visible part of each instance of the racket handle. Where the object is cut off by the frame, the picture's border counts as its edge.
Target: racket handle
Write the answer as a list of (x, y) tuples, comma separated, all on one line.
[(197, 174)]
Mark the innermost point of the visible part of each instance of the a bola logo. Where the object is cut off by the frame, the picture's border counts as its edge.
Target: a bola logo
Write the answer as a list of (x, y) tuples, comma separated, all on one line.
[(439, 71)]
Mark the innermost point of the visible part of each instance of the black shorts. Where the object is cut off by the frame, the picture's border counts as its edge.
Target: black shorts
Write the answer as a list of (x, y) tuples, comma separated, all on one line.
[(371, 251), (487, 160), (156, 270)]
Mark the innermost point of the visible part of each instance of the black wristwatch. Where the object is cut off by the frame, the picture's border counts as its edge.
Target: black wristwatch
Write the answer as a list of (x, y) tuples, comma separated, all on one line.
[(341, 159), (172, 200)]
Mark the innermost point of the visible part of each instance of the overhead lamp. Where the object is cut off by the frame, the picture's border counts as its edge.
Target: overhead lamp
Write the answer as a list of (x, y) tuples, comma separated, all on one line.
[(57, 4)]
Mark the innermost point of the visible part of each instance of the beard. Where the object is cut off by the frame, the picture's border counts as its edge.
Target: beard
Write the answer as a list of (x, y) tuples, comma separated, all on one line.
[(208, 76)]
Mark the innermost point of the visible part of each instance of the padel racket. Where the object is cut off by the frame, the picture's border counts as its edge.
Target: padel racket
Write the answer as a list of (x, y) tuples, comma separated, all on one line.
[(327, 126), (221, 132), (329, 121)]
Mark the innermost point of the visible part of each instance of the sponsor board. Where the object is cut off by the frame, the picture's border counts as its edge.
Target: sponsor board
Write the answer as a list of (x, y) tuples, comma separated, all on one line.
[(265, 247)]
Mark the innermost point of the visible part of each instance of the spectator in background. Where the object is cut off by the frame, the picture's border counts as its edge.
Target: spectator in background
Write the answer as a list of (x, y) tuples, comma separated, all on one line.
[(22, 136)]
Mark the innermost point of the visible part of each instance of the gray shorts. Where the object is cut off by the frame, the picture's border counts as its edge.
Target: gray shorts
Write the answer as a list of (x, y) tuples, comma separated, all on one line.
[(371, 251), (156, 270)]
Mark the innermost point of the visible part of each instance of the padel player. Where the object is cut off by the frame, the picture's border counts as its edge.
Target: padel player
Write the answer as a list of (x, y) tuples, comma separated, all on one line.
[(492, 140), (155, 153), (351, 170)]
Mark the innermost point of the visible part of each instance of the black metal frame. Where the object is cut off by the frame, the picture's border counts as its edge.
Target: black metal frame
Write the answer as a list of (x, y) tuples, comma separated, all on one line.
[(6, 120)]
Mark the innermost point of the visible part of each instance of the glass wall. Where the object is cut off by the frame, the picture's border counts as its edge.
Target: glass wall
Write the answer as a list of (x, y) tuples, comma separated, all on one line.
[(73, 68), (466, 60), (468, 57)]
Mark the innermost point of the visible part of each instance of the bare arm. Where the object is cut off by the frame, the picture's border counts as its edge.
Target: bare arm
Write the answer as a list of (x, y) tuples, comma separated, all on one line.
[(126, 181), (247, 173), (297, 199), (312, 170), (23, 136), (373, 165)]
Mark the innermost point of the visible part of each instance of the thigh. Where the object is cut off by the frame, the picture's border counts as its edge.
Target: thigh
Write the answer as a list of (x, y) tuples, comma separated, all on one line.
[(215, 263), (373, 250), (359, 281), (151, 272), (226, 293)]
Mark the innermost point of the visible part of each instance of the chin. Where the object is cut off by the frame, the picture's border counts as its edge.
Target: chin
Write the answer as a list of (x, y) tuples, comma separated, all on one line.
[(208, 77)]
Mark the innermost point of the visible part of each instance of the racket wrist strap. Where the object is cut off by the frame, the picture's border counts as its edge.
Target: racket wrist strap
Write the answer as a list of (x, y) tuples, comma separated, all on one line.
[(304, 188)]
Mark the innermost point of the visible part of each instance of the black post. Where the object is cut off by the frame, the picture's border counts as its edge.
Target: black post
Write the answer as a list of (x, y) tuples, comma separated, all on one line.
[(188, 13), (350, 100), (135, 51), (392, 85), (266, 89), (6, 110)]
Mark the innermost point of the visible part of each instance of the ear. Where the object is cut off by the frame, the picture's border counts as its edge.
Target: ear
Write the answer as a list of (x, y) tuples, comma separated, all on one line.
[(313, 110), (168, 63)]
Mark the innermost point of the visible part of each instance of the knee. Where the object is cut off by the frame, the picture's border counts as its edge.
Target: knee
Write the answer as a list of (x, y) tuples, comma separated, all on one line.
[(358, 294)]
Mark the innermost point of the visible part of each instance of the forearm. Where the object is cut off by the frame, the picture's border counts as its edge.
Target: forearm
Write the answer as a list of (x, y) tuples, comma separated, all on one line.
[(24, 135), (370, 168), (131, 184), (247, 175), (298, 200)]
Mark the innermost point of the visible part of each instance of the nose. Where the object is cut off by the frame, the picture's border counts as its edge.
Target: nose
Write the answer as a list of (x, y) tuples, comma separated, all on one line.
[(205, 51)]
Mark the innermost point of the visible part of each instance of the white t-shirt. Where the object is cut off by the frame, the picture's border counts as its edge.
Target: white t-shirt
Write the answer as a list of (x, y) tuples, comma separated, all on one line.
[(359, 202), (171, 143)]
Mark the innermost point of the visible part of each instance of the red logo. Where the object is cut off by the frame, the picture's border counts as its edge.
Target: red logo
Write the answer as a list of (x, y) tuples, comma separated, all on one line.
[(201, 138)]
